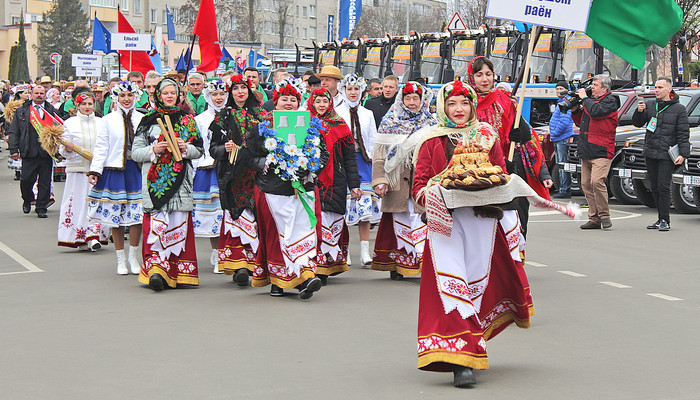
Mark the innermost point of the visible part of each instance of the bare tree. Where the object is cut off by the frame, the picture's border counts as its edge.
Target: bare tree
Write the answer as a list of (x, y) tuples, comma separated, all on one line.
[(391, 19), (283, 8), (231, 18), (689, 30), (473, 12)]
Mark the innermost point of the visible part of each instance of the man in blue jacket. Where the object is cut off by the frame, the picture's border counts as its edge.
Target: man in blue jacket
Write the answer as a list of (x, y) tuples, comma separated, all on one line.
[(561, 128)]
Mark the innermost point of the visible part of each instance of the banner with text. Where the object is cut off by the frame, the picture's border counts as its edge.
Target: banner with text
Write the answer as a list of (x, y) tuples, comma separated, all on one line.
[(563, 14), (350, 11)]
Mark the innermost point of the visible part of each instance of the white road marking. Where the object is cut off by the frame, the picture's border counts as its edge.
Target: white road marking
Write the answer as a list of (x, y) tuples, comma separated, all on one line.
[(21, 260), (615, 284), (534, 264), (664, 296), (571, 273)]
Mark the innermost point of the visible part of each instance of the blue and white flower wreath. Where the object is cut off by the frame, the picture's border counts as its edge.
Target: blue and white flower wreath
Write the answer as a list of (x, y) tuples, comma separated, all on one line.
[(289, 161)]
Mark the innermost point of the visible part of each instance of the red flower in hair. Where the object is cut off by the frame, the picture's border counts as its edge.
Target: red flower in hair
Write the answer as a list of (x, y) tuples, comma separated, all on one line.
[(81, 97), (409, 88), (458, 89), (286, 90), (240, 80)]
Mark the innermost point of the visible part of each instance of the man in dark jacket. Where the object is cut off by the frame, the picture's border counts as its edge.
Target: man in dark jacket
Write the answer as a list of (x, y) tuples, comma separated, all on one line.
[(380, 105), (24, 142), (597, 118), (667, 126)]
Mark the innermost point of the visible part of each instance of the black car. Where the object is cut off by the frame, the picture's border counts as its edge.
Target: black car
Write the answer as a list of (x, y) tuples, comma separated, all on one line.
[(622, 188), (682, 189)]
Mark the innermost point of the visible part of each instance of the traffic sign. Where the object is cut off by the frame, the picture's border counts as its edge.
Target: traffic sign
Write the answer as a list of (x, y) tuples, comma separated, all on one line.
[(456, 23), (55, 58)]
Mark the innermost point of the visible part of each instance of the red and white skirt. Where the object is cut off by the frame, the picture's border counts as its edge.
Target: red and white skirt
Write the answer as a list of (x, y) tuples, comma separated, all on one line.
[(399, 243), (238, 242), (335, 238), (169, 248), (471, 289), (287, 252)]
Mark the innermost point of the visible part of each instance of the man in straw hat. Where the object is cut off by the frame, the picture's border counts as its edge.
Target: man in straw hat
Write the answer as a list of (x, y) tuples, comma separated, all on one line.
[(46, 82), (330, 77)]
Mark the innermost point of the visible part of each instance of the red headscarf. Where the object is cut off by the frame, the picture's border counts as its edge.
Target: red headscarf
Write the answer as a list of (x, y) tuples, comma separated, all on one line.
[(498, 109), (337, 132)]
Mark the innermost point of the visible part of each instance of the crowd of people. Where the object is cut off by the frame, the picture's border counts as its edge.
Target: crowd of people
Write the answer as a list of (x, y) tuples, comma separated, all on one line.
[(171, 158)]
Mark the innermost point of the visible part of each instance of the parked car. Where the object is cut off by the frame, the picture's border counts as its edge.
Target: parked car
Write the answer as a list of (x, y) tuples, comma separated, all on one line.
[(622, 188), (682, 189)]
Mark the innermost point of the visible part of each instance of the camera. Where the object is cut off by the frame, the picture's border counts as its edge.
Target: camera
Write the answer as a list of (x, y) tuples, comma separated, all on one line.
[(574, 99)]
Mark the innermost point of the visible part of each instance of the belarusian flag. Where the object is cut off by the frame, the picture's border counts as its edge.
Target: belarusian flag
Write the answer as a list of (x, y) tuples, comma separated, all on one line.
[(628, 27)]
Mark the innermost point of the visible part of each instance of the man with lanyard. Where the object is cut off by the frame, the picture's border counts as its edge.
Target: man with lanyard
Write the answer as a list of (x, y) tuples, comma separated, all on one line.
[(27, 125), (596, 147), (330, 77), (195, 82), (253, 74), (667, 127)]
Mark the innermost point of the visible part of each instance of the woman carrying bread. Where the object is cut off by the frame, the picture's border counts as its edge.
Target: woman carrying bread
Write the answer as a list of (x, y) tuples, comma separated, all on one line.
[(473, 284)]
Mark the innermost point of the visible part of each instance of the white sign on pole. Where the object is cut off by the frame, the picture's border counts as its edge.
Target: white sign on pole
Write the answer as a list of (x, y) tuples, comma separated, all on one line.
[(131, 41), (114, 73), (86, 60), (563, 14), (456, 23), (88, 71)]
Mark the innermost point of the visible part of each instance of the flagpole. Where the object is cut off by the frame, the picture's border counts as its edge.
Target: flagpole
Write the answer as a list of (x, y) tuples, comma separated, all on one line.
[(524, 76), (189, 59)]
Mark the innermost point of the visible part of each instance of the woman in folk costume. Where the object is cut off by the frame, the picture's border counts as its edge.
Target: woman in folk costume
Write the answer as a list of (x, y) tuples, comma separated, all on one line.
[(364, 211), (207, 215), (286, 210), (401, 234), (473, 283), (238, 238), (115, 198), (339, 174), (498, 109), (169, 253), (75, 228)]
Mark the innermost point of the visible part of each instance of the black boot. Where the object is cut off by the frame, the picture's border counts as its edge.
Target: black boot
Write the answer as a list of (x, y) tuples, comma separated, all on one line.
[(395, 276), (323, 278), (310, 286), (241, 277), (276, 291), (156, 283), (464, 376)]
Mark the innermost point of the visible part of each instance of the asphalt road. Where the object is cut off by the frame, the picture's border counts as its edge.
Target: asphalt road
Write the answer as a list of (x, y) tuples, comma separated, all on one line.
[(616, 318)]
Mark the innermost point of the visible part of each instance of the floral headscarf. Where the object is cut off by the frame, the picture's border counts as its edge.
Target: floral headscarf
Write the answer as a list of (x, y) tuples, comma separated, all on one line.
[(399, 120), (330, 117), (456, 88), (166, 175)]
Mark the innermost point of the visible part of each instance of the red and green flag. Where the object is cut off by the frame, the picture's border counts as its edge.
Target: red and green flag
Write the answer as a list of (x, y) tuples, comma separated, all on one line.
[(628, 27)]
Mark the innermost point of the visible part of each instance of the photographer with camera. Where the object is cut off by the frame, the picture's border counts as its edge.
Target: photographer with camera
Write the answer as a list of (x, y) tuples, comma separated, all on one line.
[(597, 117), (561, 128), (667, 127)]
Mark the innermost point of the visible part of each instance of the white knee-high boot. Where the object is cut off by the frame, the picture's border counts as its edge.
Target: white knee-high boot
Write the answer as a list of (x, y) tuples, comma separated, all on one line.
[(134, 260), (365, 258), (121, 263)]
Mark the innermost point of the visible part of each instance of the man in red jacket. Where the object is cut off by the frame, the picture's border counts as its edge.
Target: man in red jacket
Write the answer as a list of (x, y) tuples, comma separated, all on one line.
[(597, 118)]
